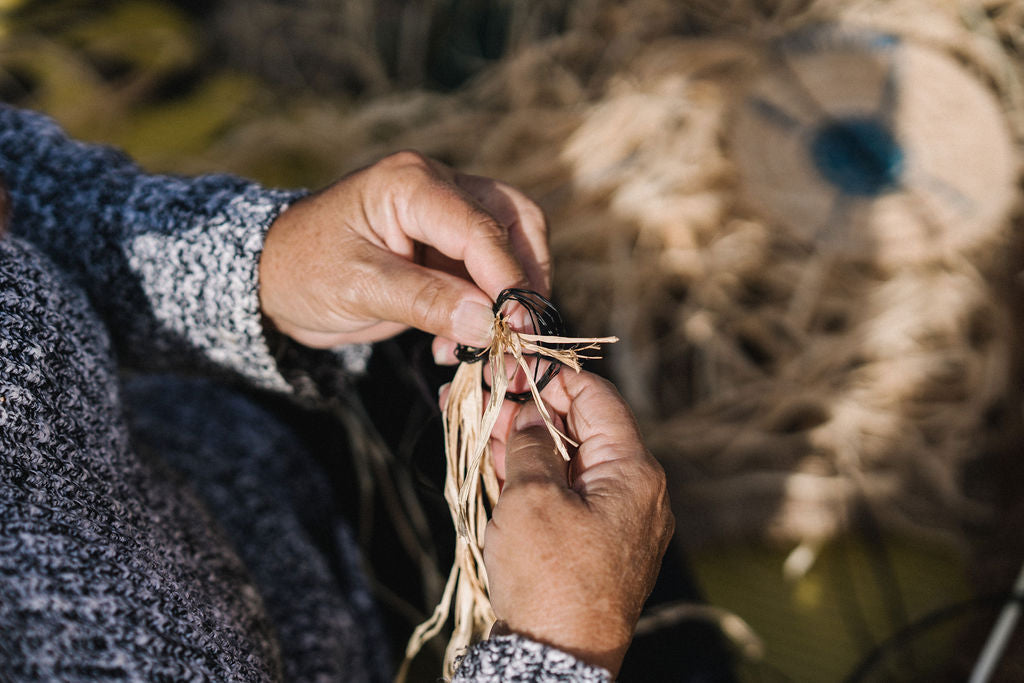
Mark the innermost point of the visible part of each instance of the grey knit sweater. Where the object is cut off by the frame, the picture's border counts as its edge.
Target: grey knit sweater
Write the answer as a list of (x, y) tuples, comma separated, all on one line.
[(156, 530)]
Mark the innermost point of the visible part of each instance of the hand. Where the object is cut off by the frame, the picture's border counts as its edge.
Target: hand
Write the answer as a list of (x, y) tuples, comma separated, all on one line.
[(571, 566), (404, 242)]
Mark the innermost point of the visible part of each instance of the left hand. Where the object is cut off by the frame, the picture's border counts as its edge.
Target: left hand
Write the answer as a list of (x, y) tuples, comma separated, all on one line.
[(404, 242)]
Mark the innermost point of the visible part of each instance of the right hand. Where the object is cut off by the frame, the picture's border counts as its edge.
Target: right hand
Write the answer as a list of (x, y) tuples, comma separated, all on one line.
[(571, 566)]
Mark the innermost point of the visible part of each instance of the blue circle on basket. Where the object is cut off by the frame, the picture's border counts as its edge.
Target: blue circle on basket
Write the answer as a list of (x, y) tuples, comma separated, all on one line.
[(859, 155)]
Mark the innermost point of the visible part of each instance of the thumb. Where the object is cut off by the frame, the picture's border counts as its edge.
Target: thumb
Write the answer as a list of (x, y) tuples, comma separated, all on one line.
[(430, 300), (530, 455)]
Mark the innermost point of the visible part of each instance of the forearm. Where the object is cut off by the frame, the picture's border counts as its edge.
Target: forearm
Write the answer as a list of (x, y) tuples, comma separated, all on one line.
[(170, 264)]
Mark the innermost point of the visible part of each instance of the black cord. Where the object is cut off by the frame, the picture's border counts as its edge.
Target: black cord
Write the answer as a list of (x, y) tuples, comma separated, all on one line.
[(850, 604), (933, 619), (544, 319), (884, 570)]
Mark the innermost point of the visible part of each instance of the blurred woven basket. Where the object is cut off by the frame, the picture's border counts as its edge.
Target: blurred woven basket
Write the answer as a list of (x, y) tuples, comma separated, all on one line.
[(793, 212), (798, 215), (804, 337)]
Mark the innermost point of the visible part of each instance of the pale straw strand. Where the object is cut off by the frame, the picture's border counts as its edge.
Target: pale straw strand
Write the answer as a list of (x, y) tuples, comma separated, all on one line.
[(471, 485)]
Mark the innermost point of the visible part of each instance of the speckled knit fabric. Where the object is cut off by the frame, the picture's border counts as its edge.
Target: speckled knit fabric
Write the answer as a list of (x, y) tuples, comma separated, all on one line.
[(168, 541), (515, 659)]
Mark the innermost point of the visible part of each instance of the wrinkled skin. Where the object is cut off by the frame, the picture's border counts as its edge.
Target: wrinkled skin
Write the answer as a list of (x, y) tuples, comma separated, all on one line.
[(408, 242)]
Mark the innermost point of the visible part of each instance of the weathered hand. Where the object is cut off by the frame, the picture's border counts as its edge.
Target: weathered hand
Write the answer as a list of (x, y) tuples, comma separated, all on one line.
[(571, 565), (404, 242)]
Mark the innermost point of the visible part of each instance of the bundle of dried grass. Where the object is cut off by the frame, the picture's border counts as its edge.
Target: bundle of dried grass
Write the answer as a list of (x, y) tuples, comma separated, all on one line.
[(738, 273), (798, 354), (471, 485), (787, 342), (870, 338), (782, 336)]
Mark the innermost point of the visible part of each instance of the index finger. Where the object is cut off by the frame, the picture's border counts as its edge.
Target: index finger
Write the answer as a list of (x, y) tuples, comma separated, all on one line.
[(524, 220), (446, 217)]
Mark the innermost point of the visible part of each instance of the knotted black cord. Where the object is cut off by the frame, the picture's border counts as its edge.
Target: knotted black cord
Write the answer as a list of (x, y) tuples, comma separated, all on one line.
[(544, 319)]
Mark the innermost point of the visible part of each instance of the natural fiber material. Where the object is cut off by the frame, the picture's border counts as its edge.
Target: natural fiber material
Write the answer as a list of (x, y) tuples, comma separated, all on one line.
[(814, 348), (817, 354), (790, 367), (789, 370), (739, 276), (856, 139), (471, 485)]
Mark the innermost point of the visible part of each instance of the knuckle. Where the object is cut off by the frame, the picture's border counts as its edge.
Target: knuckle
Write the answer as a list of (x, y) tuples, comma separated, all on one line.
[(656, 475), (534, 491), (428, 300), (405, 159), (397, 174), (484, 225), (530, 440), (654, 483), (533, 216), (669, 521), (663, 504), (525, 206)]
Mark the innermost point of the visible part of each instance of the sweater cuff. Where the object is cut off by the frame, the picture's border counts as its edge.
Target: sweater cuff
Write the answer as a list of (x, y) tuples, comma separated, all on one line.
[(516, 659), (210, 256), (265, 357), (247, 347)]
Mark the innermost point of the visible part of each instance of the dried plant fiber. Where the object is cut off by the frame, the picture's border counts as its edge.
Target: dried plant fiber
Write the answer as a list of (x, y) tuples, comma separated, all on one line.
[(799, 346), (794, 350), (471, 485)]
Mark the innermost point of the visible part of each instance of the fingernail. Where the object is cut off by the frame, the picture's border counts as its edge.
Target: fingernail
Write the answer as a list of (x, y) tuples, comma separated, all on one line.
[(529, 416), (472, 323), (442, 356), (521, 322)]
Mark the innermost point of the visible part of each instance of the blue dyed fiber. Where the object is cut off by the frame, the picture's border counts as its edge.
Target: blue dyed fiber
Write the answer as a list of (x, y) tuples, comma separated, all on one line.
[(859, 156)]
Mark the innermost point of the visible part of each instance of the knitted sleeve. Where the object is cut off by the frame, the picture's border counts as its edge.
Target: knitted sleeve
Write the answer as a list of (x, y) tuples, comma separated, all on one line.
[(515, 659), (169, 263)]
